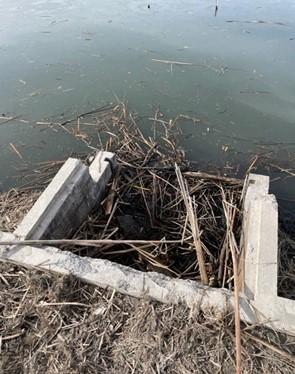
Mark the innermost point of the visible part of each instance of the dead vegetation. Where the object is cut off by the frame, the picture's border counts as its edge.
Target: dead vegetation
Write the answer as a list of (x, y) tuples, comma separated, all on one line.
[(286, 278), (155, 195), (14, 205), (54, 324)]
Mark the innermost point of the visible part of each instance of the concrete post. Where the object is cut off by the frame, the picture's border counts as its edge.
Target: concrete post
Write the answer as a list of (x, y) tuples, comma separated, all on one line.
[(68, 199)]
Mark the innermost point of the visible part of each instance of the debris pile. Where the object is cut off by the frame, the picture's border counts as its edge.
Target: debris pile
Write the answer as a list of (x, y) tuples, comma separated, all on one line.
[(176, 220), (145, 201), (156, 196)]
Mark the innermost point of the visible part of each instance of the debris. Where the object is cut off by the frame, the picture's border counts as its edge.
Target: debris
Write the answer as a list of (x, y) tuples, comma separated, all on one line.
[(194, 226), (145, 203), (35, 93), (8, 119), (59, 313), (255, 92), (68, 90), (172, 62), (13, 147)]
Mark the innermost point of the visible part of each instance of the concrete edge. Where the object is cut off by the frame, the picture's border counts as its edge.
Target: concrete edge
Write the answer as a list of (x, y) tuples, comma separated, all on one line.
[(260, 256), (104, 273), (128, 281), (65, 203), (48, 204), (260, 239)]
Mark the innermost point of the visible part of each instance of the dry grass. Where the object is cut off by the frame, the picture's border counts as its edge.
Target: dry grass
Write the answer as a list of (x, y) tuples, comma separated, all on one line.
[(54, 324), (145, 202), (14, 205), (286, 278)]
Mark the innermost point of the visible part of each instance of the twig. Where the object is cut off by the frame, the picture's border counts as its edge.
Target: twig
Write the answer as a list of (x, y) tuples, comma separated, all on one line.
[(253, 163), (219, 178), (283, 170), (13, 147), (274, 348), (172, 62), (90, 243), (72, 303), (8, 119), (94, 111), (9, 337), (229, 211), (194, 225)]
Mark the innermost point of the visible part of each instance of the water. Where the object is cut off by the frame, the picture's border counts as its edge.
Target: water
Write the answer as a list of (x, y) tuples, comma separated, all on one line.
[(63, 57)]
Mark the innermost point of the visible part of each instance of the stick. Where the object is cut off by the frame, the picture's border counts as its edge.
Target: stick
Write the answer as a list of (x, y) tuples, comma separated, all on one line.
[(253, 163), (90, 243), (237, 312), (72, 303), (97, 110), (8, 120), (281, 352), (13, 147), (229, 211), (172, 62), (200, 174), (283, 170), (9, 337), (194, 225)]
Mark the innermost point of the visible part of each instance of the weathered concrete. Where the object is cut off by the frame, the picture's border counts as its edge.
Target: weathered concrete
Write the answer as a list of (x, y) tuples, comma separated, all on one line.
[(260, 256), (128, 281), (260, 230), (68, 199), (257, 188), (5, 236), (104, 273), (267, 251)]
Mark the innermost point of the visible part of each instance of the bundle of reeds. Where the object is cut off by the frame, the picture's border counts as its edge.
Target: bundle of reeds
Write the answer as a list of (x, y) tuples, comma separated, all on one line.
[(156, 196)]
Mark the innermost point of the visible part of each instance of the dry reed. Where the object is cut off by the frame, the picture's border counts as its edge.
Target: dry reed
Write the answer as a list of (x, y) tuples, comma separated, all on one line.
[(53, 324)]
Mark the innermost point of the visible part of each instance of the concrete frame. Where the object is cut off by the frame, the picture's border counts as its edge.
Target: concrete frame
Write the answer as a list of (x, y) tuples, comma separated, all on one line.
[(259, 263), (77, 186)]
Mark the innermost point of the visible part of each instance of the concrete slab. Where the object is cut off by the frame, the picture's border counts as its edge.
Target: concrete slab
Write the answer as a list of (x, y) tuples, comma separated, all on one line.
[(68, 199)]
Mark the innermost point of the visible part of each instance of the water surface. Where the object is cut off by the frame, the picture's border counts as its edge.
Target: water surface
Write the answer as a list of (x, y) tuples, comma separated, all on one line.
[(63, 57)]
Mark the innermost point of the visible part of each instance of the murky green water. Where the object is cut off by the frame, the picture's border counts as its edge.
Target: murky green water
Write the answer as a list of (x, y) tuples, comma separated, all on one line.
[(63, 57)]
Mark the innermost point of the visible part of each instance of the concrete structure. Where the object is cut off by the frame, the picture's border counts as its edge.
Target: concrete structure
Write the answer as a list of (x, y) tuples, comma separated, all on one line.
[(259, 264), (259, 302), (68, 199), (126, 280)]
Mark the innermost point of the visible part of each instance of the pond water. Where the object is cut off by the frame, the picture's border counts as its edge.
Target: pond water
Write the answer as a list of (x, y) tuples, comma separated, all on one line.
[(63, 57)]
